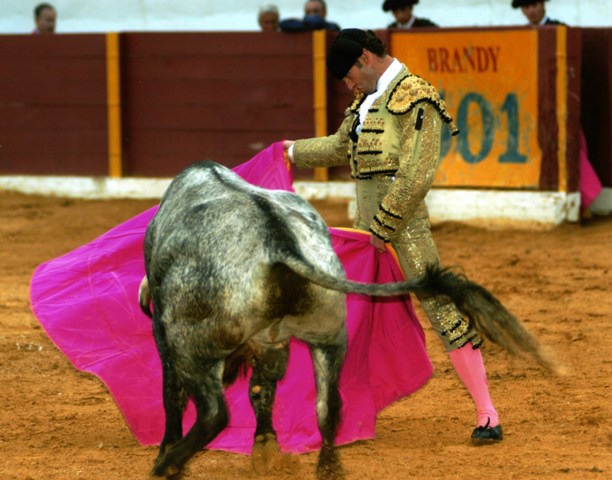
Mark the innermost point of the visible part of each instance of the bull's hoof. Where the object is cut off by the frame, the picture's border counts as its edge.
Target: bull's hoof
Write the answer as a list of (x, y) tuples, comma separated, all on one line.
[(330, 472), (169, 472), (329, 466), (266, 455)]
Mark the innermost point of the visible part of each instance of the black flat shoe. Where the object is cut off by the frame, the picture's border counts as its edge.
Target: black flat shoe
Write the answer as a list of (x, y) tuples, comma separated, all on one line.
[(487, 435)]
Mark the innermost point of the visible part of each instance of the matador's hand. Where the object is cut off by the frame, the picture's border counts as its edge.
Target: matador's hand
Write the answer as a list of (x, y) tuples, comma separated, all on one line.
[(377, 243), (288, 151)]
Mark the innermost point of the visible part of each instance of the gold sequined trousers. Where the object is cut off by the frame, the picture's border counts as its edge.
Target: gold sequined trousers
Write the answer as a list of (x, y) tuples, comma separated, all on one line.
[(416, 249)]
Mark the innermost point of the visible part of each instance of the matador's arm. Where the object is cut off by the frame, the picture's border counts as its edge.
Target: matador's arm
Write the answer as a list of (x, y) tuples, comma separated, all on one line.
[(329, 151)]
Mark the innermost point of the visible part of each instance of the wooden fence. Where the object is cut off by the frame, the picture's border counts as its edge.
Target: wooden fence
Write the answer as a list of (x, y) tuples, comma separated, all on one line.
[(149, 104)]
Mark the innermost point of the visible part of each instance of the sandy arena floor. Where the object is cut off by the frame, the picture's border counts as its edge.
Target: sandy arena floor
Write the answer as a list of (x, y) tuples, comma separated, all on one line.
[(58, 423)]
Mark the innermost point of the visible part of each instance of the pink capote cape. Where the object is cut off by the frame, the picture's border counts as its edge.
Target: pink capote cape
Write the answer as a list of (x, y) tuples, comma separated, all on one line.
[(590, 185), (87, 303)]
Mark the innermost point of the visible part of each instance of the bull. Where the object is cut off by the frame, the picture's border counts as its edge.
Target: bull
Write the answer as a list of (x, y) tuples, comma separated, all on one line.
[(233, 271)]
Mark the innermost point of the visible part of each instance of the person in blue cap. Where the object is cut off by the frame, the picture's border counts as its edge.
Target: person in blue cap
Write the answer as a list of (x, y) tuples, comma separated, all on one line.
[(315, 18)]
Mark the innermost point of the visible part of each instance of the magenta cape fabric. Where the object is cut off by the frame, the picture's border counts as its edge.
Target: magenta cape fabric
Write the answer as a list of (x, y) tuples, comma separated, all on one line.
[(87, 303), (590, 185)]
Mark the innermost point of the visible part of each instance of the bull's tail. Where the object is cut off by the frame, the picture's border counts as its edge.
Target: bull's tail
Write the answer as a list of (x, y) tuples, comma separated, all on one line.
[(485, 312), (144, 297), (237, 364)]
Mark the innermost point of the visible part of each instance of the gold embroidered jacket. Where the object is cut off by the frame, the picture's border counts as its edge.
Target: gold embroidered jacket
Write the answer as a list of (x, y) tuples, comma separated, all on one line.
[(400, 137)]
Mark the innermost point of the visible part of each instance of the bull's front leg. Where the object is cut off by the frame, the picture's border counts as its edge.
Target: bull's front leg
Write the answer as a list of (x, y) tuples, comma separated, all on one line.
[(269, 366)]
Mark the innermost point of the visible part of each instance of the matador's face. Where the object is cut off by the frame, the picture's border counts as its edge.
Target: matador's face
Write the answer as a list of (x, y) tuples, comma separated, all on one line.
[(361, 77)]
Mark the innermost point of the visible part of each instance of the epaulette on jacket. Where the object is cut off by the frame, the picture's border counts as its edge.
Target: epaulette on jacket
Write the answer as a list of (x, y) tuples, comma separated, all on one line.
[(358, 100), (412, 90)]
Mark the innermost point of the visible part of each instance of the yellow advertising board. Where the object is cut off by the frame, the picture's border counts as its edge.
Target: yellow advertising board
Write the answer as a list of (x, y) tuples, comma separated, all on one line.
[(489, 80)]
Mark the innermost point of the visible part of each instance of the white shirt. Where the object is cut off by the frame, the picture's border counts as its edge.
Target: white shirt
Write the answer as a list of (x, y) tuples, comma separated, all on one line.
[(408, 24), (382, 84)]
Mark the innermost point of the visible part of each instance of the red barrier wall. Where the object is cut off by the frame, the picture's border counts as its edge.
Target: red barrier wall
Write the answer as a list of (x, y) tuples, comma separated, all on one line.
[(53, 105), (550, 59), (225, 95), (596, 99), (217, 96)]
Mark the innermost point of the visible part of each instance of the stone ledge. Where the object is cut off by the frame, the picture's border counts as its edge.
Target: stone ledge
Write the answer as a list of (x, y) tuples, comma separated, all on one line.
[(528, 208)]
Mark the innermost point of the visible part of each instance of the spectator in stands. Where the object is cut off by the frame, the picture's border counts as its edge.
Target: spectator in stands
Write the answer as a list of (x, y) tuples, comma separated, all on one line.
[(404, 19), (535, 12), (268, 18), (315, 13), (44, 18)]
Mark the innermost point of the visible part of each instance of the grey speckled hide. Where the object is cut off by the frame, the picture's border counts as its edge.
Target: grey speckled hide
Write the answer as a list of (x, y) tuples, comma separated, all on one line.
[(228, 267)]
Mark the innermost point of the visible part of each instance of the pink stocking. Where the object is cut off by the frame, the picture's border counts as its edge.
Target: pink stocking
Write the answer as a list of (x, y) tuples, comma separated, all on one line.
[(470, 368)]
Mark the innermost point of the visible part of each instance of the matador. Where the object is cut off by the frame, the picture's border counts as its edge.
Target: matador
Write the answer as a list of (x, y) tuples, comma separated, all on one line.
[(390, 137)]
